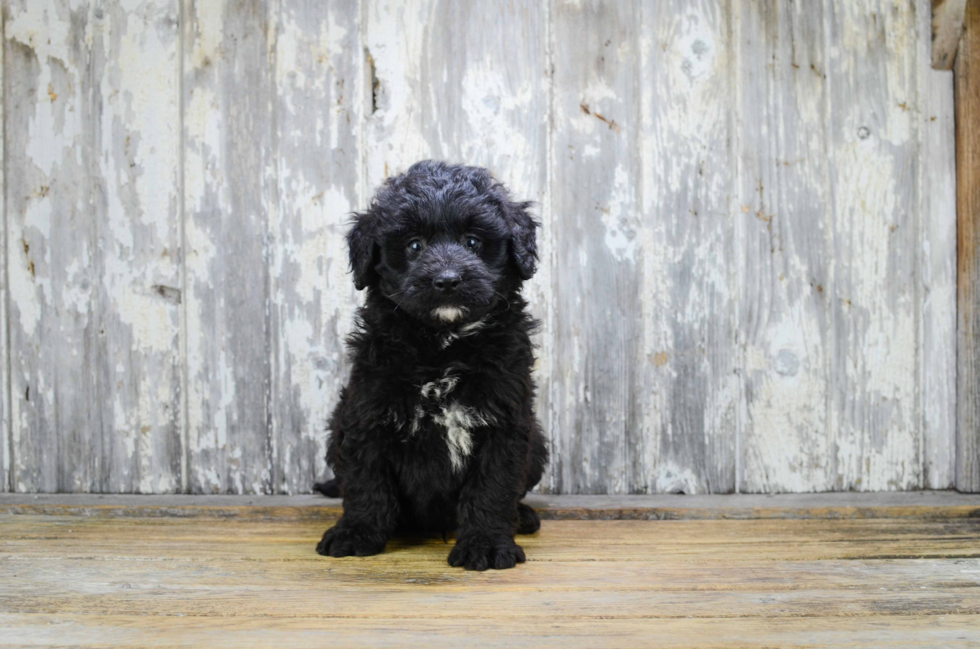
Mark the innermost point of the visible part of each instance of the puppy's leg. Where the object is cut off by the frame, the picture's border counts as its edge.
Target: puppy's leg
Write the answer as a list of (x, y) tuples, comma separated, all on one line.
[(370, 512), (487, 509)]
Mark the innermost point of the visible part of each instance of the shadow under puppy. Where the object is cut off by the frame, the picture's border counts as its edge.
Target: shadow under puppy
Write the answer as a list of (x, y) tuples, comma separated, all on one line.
[(435, 430)]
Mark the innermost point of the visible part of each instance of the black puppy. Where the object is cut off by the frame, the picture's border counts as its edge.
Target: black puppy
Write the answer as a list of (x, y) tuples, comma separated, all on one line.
[(435, 430)]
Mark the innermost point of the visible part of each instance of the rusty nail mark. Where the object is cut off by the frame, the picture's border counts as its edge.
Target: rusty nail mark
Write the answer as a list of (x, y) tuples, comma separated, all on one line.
[(611, 122)]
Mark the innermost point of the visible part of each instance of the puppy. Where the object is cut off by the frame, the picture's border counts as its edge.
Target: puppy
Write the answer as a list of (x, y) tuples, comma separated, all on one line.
[(435, 430)]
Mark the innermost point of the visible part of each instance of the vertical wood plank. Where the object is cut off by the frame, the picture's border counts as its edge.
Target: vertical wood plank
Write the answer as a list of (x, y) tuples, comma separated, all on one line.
[(91, 205), (229, 185), (54, 328), (319, 108), (937, 263), (135, 106), (874, 165), (597, 224), (466, 83), (967, 87), (688, 390), (784, 202), (6, 458)]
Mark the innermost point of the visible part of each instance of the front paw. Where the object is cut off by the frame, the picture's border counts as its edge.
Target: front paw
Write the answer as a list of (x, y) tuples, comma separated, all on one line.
[(344, 541), (479, 552)]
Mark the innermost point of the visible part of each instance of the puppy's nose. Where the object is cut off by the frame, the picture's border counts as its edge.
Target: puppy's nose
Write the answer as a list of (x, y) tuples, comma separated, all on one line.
[(447, 281)]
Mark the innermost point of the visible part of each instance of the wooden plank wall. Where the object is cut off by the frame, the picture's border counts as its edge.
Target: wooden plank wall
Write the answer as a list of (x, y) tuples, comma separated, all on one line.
[(748, 274), (967, 68)]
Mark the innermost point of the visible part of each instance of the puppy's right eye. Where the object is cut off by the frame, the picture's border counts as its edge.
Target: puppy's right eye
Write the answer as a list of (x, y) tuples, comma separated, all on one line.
[(415, 245)]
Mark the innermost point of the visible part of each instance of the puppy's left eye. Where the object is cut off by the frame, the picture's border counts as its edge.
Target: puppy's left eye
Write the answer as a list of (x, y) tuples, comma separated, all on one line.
[(472, 242)]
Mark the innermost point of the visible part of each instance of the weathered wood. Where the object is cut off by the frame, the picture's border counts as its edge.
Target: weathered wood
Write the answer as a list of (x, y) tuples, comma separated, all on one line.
[(785, 247), (319, 105), (230, 200), (967, 86), (682, 583), (53, 333), (91, 191), (5, 441), (687, 382), (936, 267), (924, 505), (747, 272), (874, 423), (596, 234), (953, 632), (136, 201), (947, 27)]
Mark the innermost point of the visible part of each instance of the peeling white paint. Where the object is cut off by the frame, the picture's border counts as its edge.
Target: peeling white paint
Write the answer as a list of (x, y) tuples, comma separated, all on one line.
[(783, 313), (619, 217)]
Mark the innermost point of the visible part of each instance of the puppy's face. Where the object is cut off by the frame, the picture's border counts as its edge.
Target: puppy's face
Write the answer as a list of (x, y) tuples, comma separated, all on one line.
[(443, 243)]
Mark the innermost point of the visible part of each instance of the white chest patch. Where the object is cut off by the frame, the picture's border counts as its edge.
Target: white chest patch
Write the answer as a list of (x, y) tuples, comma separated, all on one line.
[(459, 420), (456, 419)]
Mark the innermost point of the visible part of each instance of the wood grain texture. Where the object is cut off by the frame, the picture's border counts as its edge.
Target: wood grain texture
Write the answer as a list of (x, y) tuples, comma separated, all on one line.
[(784, 218), (874, 421), (92, 218), (936, 267), (319, 106), (6, 455), (688, 384), (927, 630), (967, 85), (747, 256), (907, 505), (136, 202), (596, 231), (615, 583), (230, 200), (947, 27)]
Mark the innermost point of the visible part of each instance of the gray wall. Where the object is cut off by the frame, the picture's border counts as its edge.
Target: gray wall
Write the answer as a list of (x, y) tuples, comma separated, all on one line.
[(748, 254)]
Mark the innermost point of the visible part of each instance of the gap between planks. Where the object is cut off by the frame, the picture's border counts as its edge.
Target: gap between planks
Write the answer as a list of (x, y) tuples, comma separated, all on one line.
[(933, 505)]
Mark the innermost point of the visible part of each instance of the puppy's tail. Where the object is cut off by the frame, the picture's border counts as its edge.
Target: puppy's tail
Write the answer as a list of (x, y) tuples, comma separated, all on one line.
[(528, 521), (330, 488)]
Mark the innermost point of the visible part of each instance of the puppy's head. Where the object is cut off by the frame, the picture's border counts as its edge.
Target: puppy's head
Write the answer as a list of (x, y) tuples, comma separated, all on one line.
[(443, 242)]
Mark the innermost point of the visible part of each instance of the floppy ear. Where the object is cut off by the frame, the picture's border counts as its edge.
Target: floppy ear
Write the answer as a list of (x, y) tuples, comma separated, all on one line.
[(523, 240), (362, 247)]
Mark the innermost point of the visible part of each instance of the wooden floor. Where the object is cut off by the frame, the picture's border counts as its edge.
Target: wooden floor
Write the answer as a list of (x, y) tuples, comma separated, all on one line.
[(241, 576)]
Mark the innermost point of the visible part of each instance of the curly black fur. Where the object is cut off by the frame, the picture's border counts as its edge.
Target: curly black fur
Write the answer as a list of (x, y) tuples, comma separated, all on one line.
[(435, 430)]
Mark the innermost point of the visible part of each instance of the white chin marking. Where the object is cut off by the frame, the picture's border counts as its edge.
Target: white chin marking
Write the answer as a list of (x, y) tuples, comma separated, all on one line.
[(448, 313)]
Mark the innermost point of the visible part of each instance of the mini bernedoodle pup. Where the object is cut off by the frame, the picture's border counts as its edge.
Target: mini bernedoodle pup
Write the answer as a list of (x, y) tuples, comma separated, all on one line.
[(435, 430)]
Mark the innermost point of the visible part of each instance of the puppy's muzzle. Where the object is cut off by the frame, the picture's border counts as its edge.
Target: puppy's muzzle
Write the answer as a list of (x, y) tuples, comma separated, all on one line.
[(447, 281)]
